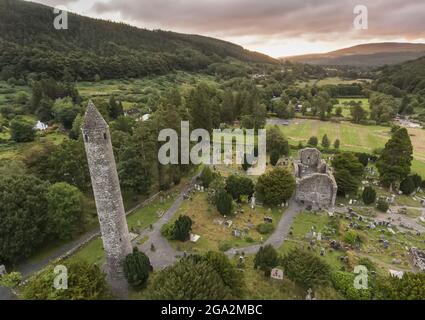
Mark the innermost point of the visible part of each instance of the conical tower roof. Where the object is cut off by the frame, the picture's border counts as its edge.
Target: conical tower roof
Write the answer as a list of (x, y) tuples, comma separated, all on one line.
[(93, 119)]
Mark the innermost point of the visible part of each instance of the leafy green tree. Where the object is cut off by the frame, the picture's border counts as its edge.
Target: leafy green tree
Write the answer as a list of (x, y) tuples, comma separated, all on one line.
[(407, 186), (343, 282), (124, 124), (238, 186), (348, 172), (44, 111), (22, 130), (417, 180), (276, 141), (75, 132), (65, 210), (313, 141), (383, 107), (358, 113), (231, 277), (182, 227), (276, 186), (115, 108), (227, 109), (396, 158), (137, 267), (266, 259), (410, 287), (338, 112), (337, 144), (23, 217), (85, 282), (189, 279), (224, 202), (369, 195), (199, 104), (65, 111), (305, 268), (274, 157), (363, 158), (326, 143), (68, 163), (134, 172), (245, 164), (207, 176)]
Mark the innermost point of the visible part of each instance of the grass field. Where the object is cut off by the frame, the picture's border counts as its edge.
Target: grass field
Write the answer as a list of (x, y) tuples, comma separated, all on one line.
[(346, 109), (354, 137), (329, 81), (212, 235)]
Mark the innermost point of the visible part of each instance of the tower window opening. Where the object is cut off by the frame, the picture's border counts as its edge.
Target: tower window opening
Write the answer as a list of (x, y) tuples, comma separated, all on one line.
[(86, 138), (104, 135)]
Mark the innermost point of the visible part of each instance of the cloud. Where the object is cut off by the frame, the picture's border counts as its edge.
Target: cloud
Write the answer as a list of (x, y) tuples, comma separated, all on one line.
[(268, 24), (289, 18)]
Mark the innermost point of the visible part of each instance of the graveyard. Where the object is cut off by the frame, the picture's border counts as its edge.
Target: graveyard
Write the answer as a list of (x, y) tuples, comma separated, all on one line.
[(222, 233)]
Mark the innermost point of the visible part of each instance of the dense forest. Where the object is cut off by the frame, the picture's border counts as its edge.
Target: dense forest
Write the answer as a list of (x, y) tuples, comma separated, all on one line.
[(408, 77), (91, 48)]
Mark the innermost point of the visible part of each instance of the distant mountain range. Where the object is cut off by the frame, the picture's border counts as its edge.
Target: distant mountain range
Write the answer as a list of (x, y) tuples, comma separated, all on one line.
[(365, 55)]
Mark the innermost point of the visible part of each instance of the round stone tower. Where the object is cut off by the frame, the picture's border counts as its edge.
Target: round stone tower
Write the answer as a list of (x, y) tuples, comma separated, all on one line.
[(107, 194)]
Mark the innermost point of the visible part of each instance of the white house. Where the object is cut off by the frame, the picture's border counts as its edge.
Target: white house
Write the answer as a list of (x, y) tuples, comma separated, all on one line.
[(40, 126)]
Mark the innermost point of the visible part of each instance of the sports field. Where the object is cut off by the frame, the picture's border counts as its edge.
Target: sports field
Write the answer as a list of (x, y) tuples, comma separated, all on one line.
[(354, 137)]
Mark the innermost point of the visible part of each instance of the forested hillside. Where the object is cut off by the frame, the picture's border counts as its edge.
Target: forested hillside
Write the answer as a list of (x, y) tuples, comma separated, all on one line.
[(92, 48), (408, 77)]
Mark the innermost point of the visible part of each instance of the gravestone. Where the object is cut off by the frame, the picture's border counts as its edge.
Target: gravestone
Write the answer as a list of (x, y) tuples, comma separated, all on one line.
[(2, 270), (276, 273)]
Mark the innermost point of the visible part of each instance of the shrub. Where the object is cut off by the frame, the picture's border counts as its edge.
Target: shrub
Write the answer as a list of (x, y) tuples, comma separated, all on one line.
[(417, 180), (85, 282), (207, 177), (276, 186), (266, 259), (382, 205), (407, 186), (274, 157), (136, 269), (238, 186), (369, 195), (182, 228), (313, 141), (343, 282), (351, 237), (265, 228), (326, 142), (305, 268), (191, 278), (22, 130), (224, 202)]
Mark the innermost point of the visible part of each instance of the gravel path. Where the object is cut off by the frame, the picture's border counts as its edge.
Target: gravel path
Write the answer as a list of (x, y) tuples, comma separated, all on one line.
[(164, 254), (278, 236)]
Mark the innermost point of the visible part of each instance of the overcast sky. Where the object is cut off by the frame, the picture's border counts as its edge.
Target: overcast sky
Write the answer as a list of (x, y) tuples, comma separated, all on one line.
[(275, 27)]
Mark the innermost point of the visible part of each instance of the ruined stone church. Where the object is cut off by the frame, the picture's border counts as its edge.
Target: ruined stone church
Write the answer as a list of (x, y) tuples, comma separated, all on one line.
[(316, 185)]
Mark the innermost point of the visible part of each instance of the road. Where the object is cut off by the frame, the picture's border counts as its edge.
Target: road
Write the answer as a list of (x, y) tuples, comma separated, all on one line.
[(164, 254)]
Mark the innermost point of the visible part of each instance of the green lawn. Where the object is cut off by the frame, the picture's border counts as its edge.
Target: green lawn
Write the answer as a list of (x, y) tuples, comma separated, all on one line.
[(346, 109), (354, 137), (212, 235)]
